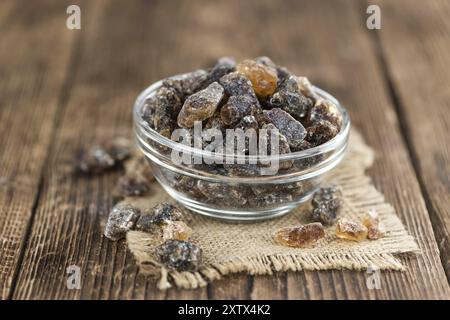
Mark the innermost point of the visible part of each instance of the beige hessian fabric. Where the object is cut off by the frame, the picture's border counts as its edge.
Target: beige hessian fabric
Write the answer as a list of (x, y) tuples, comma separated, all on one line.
[(248, 247)]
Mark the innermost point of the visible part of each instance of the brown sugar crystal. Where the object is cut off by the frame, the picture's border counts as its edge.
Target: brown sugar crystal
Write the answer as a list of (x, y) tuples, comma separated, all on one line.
[(264, 78), (375, 228), (179, 255), (300, 236), (175, 230), (350, 230), (200, 105)]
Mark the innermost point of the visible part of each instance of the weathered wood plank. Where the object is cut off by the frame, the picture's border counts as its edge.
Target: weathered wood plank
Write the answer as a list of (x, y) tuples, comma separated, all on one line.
[(415, 40), (35, 55)]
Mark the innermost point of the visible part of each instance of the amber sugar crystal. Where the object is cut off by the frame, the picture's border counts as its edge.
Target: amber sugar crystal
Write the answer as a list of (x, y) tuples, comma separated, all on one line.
[(263, 78), (375, 228), (350, 230), (300, 236), (175, 230)]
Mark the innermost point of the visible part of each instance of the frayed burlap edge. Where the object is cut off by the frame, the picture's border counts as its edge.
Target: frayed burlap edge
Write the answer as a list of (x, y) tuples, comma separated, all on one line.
[(359, 196)]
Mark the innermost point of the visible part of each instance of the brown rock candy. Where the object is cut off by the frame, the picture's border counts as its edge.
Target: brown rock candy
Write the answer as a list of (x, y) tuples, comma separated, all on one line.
[(300, 236), (140, 164), (158, 216), (94, 160), (287, 125), (350, 230), (216, 122), (283, 145), (122, 218), (326, 110), (103, 156), (264, 60), (187, 84), (166, 212), (187, 185), (282, 72), (201, 105), (375, 228), (264, 78), (246, 123), (293, 189), (320, 132), (236, 84), (119, 148), (223, 66), (236, 108), (246, 169), (223, 193), (261, 117), (145, 223), (306, 87), (290, 98), (133, 184), (175, 230), (161, 109), (327, 204), (273, 198), (179, 255)]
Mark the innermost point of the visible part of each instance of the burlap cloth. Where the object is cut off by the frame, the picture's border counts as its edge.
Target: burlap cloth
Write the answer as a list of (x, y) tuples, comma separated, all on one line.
[(248, 247)]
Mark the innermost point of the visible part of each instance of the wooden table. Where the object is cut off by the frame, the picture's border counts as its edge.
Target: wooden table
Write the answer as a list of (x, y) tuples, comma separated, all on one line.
[(63, 89)]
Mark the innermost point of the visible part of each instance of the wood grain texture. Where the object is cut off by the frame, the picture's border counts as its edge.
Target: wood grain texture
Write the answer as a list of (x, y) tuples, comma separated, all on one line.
[(416, 43), (125, 47), (35, 54)]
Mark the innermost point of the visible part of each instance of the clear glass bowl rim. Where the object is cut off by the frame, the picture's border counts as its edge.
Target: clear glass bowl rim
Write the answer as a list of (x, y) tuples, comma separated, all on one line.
[(140, 124)]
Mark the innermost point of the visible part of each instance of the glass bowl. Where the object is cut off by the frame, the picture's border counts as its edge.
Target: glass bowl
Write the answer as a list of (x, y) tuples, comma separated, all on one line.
[(249, 194)]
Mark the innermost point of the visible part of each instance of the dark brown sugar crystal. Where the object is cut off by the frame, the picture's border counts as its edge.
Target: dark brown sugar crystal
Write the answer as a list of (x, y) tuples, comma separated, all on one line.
[(133, 184), (104, 156), (290, 98), (122, 219), (236, 108), (236, 84), (201, 105), (326, 110), (231, 195), (320, 132), (187, 84), (277, 144), (94, 160), (180, 255), (223, 66), (158, 215), (247, 122), (288, 126), (327, 204), (160, 110)]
